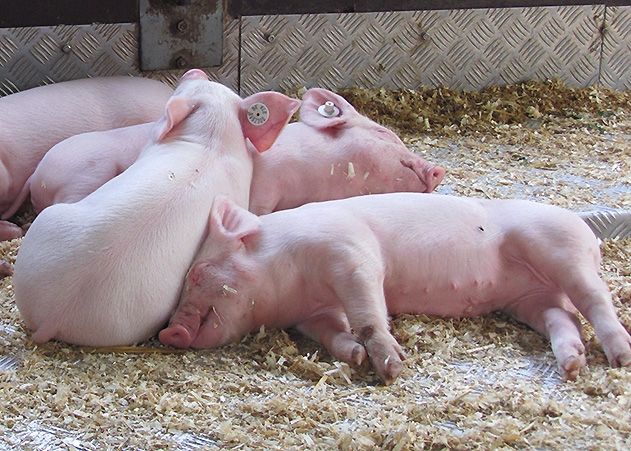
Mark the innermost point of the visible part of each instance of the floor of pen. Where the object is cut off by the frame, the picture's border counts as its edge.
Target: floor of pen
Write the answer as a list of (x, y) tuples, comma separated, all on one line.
[(481, 382)]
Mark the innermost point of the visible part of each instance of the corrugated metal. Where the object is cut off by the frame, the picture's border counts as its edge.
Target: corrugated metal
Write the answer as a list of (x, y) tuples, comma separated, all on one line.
[(616, 56), (466, 49), (33, 56), (460, 48)]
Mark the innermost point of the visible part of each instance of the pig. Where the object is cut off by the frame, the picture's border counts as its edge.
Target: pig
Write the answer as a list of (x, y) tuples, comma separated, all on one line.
[(321, 157), (36, 119), (79, 165), (335, 270), (107, 270), (335, 155)]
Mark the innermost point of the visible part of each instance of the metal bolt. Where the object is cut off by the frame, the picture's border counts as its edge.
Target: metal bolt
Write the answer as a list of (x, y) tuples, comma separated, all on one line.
[(269, 37), (180, 62), (66, 48), (423, 36), (182, 26)]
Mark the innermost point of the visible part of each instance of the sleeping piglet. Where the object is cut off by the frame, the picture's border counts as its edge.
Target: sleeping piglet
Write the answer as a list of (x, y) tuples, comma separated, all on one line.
[(108, 270), (333, 152), (337, 269), (36, 119)]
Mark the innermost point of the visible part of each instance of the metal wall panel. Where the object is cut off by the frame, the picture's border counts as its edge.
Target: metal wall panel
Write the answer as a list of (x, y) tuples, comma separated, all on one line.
[(466, 49), (616, 56), (32, 56)]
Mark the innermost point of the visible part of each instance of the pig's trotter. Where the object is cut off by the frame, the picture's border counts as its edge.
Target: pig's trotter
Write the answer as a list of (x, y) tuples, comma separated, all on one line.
[(177, 336), (6, 269), (9, 231), (334, 333), (385, 353)]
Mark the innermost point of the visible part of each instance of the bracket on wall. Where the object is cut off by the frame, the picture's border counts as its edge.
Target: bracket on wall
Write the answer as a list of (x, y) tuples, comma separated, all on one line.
[(179, 34)]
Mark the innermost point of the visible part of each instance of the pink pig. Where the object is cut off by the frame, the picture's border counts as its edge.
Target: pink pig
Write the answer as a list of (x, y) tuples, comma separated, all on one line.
[(107, 270), (335, 155), (35, 120), (337, 269), (321, 157)]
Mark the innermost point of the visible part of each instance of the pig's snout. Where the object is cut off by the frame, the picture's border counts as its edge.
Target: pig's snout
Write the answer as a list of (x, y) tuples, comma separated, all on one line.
[(428, 174), (177, 336)]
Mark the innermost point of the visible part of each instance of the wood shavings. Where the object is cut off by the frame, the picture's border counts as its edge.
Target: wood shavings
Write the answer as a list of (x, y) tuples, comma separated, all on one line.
[(481, 383)]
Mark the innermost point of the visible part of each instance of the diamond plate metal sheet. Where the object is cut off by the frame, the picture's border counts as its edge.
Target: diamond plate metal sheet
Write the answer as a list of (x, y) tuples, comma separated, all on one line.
[(467, 49), (33, 56), (616, 56)]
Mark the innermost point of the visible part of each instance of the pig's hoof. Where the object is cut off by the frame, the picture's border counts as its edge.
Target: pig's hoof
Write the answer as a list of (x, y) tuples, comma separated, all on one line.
[(9, 231), (392, 368), (358, 355), (6, 269), (571, 367), (177, 336), (618, 349)]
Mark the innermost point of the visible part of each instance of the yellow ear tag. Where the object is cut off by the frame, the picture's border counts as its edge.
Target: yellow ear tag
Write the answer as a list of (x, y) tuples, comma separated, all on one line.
[(258, 114)]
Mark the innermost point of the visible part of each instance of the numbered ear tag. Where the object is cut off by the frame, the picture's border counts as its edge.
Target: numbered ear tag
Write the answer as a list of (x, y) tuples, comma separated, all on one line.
[(258, 114), (328, 109)]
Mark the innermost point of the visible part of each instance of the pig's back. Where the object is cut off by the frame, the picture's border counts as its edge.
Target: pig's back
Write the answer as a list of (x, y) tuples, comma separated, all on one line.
[(107, 270)]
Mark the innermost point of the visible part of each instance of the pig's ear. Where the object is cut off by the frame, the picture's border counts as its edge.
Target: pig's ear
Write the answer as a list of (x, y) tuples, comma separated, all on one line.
[(324, 109), (177, 109), (230, 222), (264, 115)]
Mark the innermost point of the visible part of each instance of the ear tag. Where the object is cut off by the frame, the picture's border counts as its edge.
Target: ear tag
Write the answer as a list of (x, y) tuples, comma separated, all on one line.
[(328, 109), (258, 114)]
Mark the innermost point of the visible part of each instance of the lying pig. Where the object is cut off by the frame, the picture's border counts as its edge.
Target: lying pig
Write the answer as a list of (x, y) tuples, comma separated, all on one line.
[(108, 270), (327, 155), (35, 120), (337, 269)]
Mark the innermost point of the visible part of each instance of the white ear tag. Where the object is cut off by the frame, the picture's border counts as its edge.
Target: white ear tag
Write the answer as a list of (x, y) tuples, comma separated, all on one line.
[(258, 114), (328, 109)]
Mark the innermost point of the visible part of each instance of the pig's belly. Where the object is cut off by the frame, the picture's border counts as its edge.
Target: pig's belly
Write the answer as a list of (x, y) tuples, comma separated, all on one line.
[(460, 287)]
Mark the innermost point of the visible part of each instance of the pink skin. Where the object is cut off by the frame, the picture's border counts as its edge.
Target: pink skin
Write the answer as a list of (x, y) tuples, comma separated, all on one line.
[(82, 163), (323, 158), (309, 161), (35, 120), (107, 270), (337, 269)]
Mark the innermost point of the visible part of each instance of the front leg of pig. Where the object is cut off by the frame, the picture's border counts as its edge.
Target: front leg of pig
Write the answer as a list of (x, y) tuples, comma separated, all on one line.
[(357, 278), (331, 330)]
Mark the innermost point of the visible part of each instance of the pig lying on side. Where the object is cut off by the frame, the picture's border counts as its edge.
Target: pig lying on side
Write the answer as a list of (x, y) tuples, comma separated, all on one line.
[(321, 157), (337, 269), (108, 269), (35, 120)]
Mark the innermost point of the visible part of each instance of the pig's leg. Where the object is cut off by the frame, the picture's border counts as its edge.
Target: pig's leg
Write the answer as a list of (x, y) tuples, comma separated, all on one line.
[(359, 286), (332, 330), (561, 327), (6, 269), (592, 298), (9, 231)]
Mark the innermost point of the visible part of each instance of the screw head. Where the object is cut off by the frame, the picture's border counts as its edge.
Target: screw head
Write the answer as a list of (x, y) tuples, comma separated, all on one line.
[(182, 26), (66, 48), (180, 62)]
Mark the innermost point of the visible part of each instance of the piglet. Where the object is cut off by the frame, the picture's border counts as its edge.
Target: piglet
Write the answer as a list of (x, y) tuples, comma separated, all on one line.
[(35, 120), (337, 269), (332, 152), (107, 270)]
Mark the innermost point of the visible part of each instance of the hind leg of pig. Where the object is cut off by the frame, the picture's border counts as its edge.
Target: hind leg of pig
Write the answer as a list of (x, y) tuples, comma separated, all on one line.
[(561, 327), (361, 294), (592, 298), (334, 333)]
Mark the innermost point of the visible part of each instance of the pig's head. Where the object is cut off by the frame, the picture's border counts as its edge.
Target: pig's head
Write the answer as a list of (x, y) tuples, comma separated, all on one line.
[(217, 303), (379, 158), (200, 108)]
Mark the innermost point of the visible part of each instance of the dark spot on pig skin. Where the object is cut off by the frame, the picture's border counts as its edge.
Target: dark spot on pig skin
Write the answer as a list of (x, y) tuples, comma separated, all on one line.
[(366, 333), (481, 228)]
